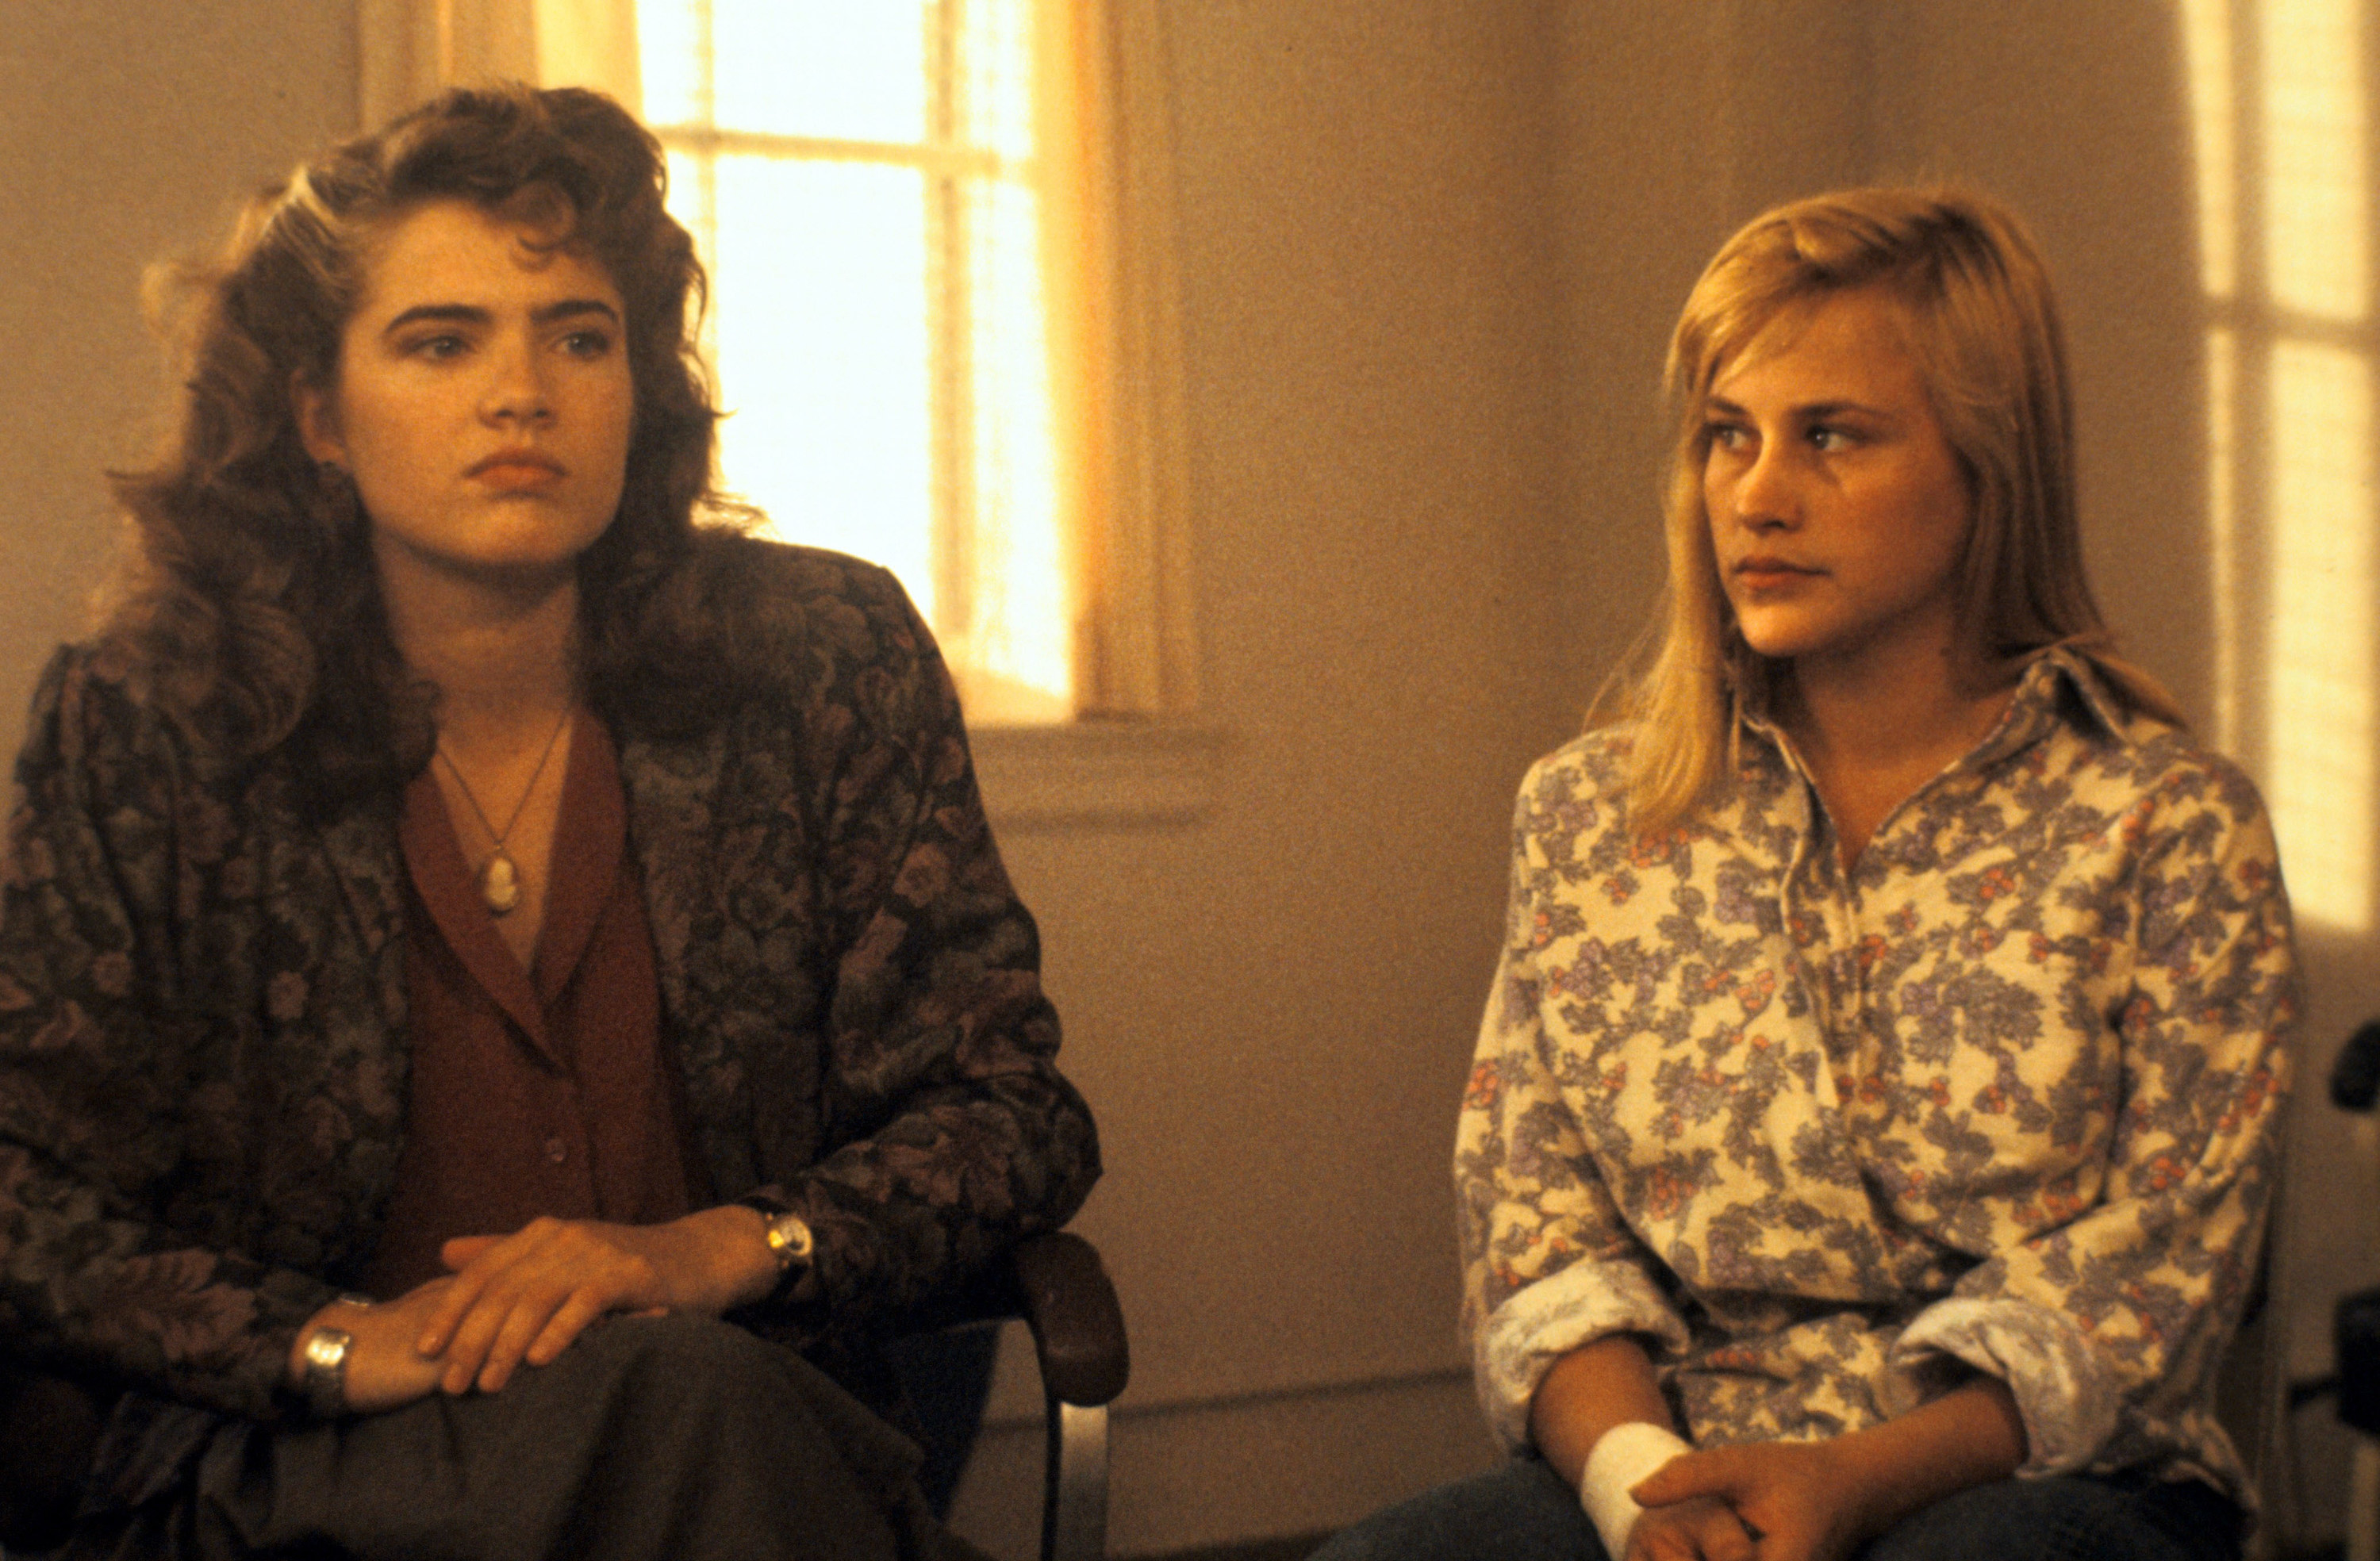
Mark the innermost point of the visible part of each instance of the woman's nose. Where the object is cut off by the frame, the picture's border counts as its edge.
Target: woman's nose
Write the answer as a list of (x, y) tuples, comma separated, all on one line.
[(1766, 494), (517, 392)]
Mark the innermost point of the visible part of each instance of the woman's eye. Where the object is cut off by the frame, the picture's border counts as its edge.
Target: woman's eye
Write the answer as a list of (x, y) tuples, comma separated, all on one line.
[(1726, 436), (437, 347), (1825, 437), (587, 344)]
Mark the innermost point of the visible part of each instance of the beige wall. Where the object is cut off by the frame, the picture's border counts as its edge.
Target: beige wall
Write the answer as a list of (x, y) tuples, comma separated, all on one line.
[(1668, 140), (1271, 1008), (127, 129), (2080, 116), (1431, 249)]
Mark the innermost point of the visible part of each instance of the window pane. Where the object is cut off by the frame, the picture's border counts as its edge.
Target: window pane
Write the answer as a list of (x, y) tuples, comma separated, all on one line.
[(689, 202), (821, 282), (841, 69), (669, 60), (996, 76)]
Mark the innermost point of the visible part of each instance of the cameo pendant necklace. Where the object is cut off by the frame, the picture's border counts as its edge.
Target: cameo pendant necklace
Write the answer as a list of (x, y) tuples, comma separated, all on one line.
[(499, 876)]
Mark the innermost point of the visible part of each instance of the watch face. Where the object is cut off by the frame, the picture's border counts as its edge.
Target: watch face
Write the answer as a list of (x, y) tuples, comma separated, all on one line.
[(789, 1236), (327, 1348)]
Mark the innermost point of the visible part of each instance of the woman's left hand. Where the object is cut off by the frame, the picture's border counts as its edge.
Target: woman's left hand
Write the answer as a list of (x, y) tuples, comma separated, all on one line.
[(1800, 1499), (1819, 1501), (525, 1297)]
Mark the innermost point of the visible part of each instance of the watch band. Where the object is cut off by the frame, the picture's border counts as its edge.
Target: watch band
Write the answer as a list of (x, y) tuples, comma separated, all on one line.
[(326, 1365)]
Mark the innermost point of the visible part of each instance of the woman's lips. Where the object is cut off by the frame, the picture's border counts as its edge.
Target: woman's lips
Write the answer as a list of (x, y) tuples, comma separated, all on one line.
[(515, 471), (1763, 572)]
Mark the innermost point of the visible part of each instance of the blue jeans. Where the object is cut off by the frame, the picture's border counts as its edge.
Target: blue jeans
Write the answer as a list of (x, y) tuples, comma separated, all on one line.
[(1523, 1512)]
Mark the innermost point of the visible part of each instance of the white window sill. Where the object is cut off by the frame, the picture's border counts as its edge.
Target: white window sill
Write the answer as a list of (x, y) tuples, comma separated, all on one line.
[(1093, 773)]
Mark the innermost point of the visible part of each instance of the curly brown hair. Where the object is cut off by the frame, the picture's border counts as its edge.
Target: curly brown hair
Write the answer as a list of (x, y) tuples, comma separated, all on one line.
[(251, 599)]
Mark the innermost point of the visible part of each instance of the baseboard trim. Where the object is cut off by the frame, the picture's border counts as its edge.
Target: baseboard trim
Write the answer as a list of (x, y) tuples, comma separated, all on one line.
[(1277, 1467)]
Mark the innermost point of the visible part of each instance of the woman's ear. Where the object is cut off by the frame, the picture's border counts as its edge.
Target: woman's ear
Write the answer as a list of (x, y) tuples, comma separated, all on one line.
[(318, 422)]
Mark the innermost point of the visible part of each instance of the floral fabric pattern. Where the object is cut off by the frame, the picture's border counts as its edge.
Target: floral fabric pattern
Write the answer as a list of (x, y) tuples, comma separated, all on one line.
[(203, 1067), (2005, 1098)]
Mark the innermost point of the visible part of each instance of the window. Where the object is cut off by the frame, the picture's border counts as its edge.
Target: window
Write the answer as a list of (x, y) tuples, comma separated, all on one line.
[(863, 184), (942, 321)]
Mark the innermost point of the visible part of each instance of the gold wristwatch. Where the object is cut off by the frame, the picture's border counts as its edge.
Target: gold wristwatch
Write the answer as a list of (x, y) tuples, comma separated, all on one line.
[(789, 1239)]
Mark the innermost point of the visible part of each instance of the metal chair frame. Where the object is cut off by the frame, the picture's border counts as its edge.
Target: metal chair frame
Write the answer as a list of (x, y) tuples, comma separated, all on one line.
[(1057, 1285)]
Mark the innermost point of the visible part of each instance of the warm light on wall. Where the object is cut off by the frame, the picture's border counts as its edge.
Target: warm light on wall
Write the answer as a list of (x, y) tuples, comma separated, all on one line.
[(2318, 754), (2206, 26), (2284, 183), (2316, 208)]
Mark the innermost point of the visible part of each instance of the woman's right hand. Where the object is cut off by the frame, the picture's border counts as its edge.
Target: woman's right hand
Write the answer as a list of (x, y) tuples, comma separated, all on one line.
[(1821, 1500), (384, 1370), (1798, 1497), (1703, 1529)]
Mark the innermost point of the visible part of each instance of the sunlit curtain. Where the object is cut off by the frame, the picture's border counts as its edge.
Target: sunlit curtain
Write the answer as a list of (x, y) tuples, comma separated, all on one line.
[(1117, 343), (411, 48), (1102, 126)]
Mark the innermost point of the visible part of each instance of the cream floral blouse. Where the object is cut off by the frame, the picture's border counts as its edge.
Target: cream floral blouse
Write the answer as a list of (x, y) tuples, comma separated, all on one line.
[(2008, 1094)]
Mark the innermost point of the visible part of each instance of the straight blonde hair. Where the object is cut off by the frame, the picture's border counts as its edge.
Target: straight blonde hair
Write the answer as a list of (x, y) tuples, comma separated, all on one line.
[(1979, 319)]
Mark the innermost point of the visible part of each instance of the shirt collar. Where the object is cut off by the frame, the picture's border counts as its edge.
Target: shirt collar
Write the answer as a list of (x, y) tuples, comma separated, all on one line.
[(2059, 686)]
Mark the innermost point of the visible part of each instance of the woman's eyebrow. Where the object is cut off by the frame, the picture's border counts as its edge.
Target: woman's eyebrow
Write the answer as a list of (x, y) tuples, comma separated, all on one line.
[(571, 309), (452, 314), (472, 314), (1807, 410)]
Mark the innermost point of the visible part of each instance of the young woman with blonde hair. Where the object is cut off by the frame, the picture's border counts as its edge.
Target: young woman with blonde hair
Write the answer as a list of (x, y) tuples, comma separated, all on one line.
[(1876, 1113)]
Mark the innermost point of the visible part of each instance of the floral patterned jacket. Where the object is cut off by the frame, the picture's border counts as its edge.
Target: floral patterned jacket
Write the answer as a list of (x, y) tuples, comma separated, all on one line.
[(2007, 1097), (203, 1025)]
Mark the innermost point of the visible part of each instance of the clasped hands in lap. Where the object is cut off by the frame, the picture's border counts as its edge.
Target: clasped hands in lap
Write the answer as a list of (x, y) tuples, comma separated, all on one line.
[(522, 1299), (1772, 1501), (1756, 1501)]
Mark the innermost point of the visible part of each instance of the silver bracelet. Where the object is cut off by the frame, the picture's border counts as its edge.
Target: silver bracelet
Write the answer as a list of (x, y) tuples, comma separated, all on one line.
[(325, 1354)]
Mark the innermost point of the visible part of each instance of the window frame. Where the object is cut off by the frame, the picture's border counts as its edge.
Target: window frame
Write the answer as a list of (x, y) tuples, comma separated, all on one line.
[(1135, 750)]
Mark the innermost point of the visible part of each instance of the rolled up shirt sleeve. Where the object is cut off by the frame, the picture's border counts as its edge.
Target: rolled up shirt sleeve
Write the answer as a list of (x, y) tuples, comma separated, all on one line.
[(2114, 1318), (1550, 1265)]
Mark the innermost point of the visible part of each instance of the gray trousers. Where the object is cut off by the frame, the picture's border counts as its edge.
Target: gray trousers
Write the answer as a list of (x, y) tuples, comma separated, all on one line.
[(649, 1438)]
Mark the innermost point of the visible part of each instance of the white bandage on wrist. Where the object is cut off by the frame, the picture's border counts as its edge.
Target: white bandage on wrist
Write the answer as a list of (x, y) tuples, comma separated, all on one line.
[(1624, 1456)]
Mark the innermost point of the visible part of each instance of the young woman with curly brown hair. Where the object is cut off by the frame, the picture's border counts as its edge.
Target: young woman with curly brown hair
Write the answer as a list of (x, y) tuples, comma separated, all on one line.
[(499, 973)]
